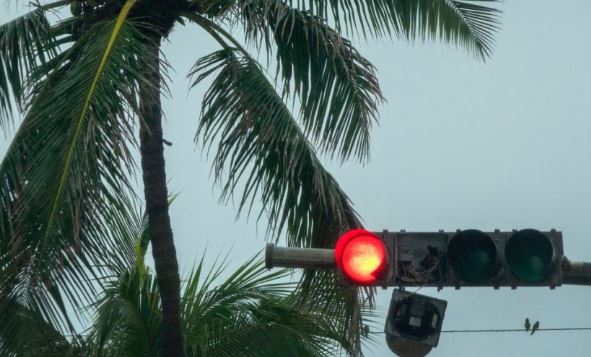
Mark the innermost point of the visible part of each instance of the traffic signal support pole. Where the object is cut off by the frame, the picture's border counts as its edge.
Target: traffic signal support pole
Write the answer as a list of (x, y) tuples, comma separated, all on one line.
[(312, 258), (576, 273)]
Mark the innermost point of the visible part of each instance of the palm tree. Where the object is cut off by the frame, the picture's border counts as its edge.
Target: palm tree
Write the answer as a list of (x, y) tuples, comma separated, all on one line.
[(86, 83), (251, 313)]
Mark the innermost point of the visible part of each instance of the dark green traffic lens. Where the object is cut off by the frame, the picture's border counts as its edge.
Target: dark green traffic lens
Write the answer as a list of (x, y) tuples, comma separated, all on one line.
[(529, 255), (473, 255)]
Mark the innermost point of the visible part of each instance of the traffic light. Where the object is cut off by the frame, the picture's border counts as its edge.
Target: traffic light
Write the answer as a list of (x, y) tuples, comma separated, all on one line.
[(469, 257), (413, 323)]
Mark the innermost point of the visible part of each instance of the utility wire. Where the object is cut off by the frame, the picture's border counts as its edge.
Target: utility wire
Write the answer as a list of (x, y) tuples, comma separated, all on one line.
[(509, 330), (519, 330)]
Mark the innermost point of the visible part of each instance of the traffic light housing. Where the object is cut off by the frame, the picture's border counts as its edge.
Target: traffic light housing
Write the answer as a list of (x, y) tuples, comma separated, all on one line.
[(413, 322), (471, 257)]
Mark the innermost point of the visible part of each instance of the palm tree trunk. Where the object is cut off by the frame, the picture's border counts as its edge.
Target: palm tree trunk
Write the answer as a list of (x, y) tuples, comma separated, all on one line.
[(156, 195)]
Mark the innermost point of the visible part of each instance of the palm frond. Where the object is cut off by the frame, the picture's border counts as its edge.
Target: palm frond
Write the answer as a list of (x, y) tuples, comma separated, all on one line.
[(252, 313), (65, 174), (336, 86), (261, 144), (370, 18), (24, 333), (466, 23), (351, 308), (128, 316), (243, 112), (25, 43)]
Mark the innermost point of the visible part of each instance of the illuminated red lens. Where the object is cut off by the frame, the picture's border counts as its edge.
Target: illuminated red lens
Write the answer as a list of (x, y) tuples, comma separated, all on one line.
[(361, 256)]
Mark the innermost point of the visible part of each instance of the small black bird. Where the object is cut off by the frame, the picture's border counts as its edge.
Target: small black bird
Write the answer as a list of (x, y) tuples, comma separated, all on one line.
[(535, 327), (527, 325)]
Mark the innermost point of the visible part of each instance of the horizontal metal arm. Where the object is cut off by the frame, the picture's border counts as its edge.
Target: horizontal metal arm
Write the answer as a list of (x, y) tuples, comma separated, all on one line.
[(576, 273), (313, 258)]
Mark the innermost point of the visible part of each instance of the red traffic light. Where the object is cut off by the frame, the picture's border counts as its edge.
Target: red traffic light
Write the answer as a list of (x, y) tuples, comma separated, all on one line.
[(361, 256)]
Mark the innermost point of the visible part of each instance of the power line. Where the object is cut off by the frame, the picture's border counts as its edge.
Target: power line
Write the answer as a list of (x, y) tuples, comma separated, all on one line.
[(510, 330), (519, 330)]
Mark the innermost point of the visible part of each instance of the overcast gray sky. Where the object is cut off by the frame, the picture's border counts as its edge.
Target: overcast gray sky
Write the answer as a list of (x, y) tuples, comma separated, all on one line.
[(461, 144)]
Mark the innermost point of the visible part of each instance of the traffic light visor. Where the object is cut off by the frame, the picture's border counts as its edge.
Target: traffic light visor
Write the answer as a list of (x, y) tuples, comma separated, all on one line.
[(361, 256)]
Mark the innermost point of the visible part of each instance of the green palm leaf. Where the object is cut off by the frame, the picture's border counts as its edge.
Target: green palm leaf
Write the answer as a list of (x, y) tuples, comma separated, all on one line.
[(250, 313), (25, 333), (261, 144), (368, 17), (57, 214), (243, 112), (468, 23), (464, 23), (128, 317), (336, 86), (25, 42)]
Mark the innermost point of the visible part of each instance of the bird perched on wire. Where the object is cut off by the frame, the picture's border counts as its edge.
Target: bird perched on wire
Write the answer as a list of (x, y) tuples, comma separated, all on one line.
[(535, 327), (527, 325)]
